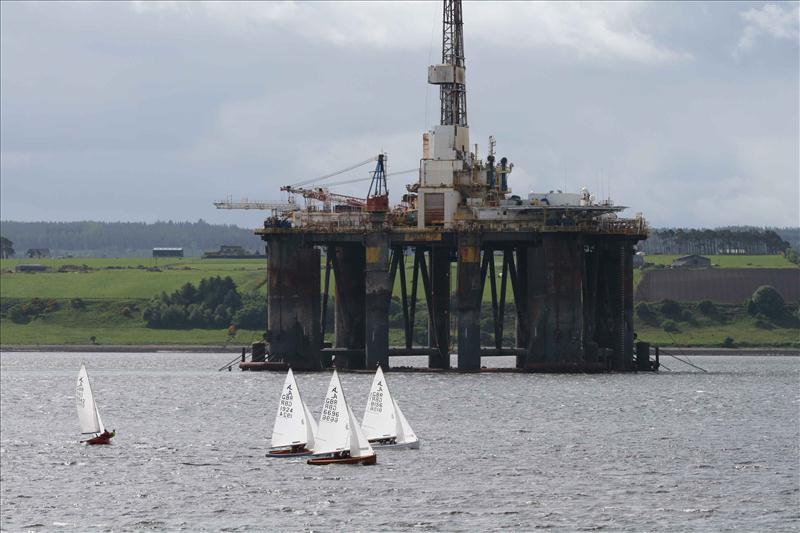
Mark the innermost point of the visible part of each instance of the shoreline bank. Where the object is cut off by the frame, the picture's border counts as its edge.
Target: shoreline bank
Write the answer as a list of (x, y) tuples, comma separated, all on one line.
[(200, 348)]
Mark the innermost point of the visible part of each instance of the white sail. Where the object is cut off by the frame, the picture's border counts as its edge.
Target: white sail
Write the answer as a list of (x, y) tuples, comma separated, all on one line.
[(334, 424), (379, 420), (88, 415), (359, 445), (294, 425), (405, 434), (311, 427)]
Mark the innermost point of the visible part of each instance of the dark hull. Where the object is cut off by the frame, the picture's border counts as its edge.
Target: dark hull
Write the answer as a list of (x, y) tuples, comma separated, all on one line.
[(366, 460), (97, 441), (289, 453)]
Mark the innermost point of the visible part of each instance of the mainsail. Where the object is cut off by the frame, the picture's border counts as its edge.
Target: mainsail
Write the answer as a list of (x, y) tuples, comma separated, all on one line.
[(88, 415), (294, 424), (379, 415), (334, 424)]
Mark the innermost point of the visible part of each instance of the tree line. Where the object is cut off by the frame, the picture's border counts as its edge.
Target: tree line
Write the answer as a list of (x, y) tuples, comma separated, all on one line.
[(214, 303), (137, 239), (123, 239), (724, 241)]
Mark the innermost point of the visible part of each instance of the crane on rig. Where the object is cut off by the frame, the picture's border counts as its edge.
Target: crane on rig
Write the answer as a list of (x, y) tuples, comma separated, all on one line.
[(324, 195), (276, 208)]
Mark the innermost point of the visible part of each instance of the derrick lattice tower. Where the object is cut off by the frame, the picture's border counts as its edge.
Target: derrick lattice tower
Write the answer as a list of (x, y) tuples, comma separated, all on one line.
[(453, 95)]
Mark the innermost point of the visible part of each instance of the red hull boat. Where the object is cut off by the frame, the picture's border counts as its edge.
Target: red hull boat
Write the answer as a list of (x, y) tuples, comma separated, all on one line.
[(100, 439), (365, 460)]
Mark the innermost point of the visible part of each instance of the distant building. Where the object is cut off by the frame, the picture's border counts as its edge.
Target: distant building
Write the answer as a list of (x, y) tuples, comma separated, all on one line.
[(692, 261), (30, 268), (231, 252), (167, 252), (38, 252)]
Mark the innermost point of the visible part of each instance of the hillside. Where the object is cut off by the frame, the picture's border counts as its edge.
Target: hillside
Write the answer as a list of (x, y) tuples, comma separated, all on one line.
[(125, 239)]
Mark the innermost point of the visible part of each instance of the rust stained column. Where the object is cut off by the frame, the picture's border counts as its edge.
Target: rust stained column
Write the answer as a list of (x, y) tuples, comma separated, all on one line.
[(439, 323), (378, 293), (521, 303), (293, 303), (555, 302), (468, 299), (536, 303), (348, 271), (590, 297)]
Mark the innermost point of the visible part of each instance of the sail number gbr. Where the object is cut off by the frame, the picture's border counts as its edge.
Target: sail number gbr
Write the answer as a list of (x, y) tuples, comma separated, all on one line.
[(329, 411), (286, 409), (376, 399)]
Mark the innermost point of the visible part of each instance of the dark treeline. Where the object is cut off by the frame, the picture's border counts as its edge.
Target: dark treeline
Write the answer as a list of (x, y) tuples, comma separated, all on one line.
[(728, 241), (125, 239), (136, 239)]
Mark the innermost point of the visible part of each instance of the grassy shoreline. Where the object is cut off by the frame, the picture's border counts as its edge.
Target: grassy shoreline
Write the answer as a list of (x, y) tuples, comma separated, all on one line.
[(115, 292), (233, 348)]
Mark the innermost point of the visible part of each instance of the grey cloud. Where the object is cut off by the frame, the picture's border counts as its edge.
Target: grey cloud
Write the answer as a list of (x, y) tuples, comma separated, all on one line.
[(153, 110)]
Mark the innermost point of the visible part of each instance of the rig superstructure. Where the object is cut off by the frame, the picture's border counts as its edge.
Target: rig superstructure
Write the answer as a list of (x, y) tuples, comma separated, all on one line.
[(566, 258)]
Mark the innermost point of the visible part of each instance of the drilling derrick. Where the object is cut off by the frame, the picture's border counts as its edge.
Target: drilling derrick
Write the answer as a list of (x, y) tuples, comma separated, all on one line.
[(453, 94), (445, 159)]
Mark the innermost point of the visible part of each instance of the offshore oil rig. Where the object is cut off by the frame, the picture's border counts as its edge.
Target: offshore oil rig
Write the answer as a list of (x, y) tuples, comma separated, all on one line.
[(565, 257)]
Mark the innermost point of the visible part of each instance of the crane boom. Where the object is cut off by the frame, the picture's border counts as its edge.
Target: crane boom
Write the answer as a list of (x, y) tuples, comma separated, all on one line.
[(324, 195), (276, 208)]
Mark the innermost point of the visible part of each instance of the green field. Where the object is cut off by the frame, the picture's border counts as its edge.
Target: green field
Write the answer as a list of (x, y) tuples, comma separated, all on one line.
[(731, 261), (123, 278), (115, 291), (743, 333)]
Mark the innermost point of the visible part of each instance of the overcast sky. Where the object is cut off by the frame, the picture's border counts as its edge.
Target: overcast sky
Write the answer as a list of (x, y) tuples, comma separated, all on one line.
[(145, 111)]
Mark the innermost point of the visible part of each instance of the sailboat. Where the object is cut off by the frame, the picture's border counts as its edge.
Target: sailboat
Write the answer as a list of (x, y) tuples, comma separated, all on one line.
[(88, 415), (340, 439), (295, 428), (384, 423)]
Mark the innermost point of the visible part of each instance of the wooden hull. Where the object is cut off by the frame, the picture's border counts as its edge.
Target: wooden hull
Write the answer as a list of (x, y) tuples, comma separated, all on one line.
[(97, 440), (365, 460), (289, 453)]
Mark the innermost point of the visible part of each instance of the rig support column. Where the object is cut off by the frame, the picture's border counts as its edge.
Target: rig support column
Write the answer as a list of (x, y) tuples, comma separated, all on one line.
[(293, 303), (556, 301), (627, 304), (523, 331), (469, 301), (439, 322), (378, 294), (348, 264)]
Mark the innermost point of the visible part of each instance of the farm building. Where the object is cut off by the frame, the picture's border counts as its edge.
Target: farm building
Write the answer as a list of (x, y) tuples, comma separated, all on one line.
[(30, 268), (38, 252), (167, 252)]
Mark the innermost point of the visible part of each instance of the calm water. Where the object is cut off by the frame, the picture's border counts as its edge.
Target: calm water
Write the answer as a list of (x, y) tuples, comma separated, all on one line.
[(674, 451)]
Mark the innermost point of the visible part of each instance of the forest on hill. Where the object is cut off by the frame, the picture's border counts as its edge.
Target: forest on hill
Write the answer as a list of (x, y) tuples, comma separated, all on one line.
[(137, 239), (125, 239), (741, 240)]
